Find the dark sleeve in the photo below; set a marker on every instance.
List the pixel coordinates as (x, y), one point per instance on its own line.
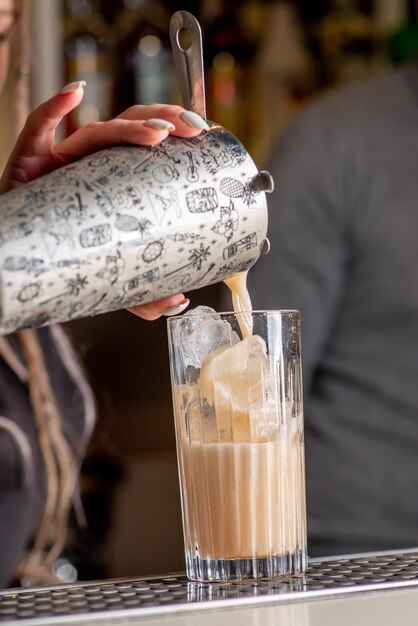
(308, 231)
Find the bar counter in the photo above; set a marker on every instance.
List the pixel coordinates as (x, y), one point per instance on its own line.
(374, 588)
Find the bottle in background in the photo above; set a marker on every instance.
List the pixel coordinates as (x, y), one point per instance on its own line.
(403, 44)
(88, 55)
(145, 68)
(228, 53)
(345, 39)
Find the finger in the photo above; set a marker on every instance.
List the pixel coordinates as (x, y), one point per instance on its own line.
(118, 131)
(187, 123)
(31, 156)
(173, 305)
(37, 136)
(141, 124)
(146, 111)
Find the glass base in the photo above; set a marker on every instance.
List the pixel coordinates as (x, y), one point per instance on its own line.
(230, 570)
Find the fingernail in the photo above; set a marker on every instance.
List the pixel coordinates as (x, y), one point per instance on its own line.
(73, 86)
(176, 310)
(194, 120)
(159, 124)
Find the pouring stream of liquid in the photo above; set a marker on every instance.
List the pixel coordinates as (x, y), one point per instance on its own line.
(241, 302)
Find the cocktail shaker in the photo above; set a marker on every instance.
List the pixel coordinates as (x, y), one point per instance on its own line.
(129, 225)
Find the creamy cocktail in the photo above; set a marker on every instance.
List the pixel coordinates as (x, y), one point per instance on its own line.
(239, 426)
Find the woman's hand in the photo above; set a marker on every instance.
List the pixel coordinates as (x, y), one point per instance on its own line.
(36, 154)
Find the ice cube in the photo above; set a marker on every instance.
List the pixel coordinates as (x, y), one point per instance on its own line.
(200, 332)
(234, 381)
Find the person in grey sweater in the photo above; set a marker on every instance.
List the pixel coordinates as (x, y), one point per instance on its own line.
(343, 226)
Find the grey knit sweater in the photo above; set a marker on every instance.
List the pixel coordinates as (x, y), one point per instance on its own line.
(343, 226)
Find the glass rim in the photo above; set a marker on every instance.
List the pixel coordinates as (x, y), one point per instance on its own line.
(281, 312)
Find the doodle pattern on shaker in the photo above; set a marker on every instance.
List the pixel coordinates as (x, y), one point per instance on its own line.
(153, 251)
(30, 292)
(192, 172)
(114, 267)
(58, 238)
(21, 230)
(73, 287)
(187, 238)
(148, 277)
(130, 197)
(98, 161)
(222, 153)
(65, 177)
(95, 236)
(202, 200)
(196, 259)
(165, 173)
(180, 283)
(105, 204)
(20, 263)
(236, 189)
(162, 203)
(128, 225)
(233, 268)
(239, 247)
(228, 222)
(69, 263)
(66, 206)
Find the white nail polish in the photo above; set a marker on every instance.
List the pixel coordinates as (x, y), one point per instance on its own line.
(194, 120)
(176, 310)
(73, 86)
(159, 124)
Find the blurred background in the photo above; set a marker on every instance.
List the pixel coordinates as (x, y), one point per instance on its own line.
(264, 60)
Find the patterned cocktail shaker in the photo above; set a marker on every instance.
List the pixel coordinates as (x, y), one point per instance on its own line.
(129, 225)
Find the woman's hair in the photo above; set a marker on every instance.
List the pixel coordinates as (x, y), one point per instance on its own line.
(61, 468)
(61, 464)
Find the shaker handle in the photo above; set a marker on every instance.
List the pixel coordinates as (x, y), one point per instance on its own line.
(189, 62)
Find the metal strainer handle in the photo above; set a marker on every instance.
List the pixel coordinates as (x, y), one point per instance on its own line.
(189, 62)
